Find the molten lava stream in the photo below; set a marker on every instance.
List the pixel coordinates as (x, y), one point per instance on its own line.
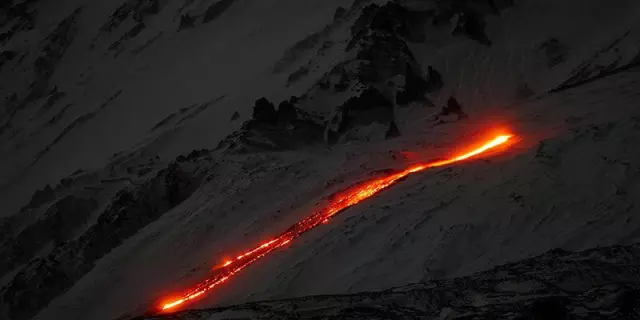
(342, 201)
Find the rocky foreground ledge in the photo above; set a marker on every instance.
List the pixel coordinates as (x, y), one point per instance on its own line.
(601, 283)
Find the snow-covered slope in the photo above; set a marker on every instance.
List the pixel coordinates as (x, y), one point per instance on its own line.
(102, 97)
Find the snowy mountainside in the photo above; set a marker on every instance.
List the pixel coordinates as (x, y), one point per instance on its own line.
(144, 141)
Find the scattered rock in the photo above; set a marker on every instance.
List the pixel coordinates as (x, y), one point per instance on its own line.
(340, 11)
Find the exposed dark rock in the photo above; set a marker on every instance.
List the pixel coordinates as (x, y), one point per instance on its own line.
(382, 54)
(5, 5)
(54, 48)
(386, 55)
(473, 26)
(369, 107)
(343, 83)
(58, 225)
(40, 197)
(130, 34)
(217, 9)
(555, 285)
(434, 79)
(297, 75)
(130, 210)
(393, 131)
(286, 113)
(235, 116)
(628, 301)
(359, 26)
(23, 19)
(415, 87)
(186, 21)
(265, 112)
(286, 128)
(7, 55)
(138, 10)
(340, 11)
(453, 107)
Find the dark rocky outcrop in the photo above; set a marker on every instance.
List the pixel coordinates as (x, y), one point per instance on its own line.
(22, 17)
(453, 107)
(6, 55)
(369, 107)
(54, 48)
(393, 131)
(131, 209)
(469, 17)
(216, 10)
(288, 127)
(379, 38)
(287, 113)
(130, 34)
(57, 225)
(602, 283)
(297, 75)
(40, 197)
(138, 10)
(186, 21)
(473, 26)
(416, 87)
(264, 112)
(339, 13)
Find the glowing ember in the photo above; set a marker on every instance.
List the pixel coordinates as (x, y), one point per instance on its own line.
(342, 201)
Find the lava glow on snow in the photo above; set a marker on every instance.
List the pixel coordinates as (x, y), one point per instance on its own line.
(340, 202)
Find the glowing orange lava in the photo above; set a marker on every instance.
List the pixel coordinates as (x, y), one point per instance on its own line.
(342, 201)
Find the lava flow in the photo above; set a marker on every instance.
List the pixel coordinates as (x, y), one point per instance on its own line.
(342, 201)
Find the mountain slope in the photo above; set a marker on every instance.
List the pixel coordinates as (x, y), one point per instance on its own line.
(102, 215)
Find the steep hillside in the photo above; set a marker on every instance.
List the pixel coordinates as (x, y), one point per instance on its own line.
(146, 141)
